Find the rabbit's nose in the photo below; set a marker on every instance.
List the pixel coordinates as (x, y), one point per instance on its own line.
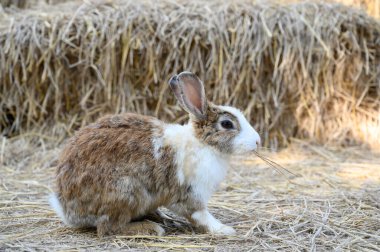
(258, 142)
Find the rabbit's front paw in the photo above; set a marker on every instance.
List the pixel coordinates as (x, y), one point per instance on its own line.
(223, 230)
(203, 218)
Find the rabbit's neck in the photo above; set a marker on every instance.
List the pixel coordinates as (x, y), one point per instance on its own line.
(199, 165)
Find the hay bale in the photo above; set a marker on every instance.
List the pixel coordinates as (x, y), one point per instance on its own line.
(372, 7)
(23, 4)
(306, 69)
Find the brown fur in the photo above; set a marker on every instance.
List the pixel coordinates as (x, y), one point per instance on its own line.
(210, 132)
(107, 170)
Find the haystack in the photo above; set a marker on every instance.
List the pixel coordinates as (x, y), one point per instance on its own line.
(305, 69)
(28, 3)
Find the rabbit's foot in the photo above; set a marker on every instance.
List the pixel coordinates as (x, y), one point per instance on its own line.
(132, 228)
(205, 220)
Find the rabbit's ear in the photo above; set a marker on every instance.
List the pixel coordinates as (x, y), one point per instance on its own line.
(190, 93)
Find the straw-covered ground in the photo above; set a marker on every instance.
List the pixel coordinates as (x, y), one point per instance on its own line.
(332, 204)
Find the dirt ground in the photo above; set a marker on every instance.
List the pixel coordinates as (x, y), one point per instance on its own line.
(333, 203)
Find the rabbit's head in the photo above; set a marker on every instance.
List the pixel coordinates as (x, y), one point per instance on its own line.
(222, 127)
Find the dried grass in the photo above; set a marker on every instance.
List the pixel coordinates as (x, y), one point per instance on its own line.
(306, 69)
(372, 7)
(332, 204)
(24, 4)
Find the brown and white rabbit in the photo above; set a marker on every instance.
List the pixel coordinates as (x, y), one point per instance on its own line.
(123, 167)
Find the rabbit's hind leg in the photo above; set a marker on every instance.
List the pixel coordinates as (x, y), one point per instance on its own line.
(145, 227)
(111, 225)
(105, 226)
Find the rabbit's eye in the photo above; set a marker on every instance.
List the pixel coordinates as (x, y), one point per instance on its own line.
(227, 124)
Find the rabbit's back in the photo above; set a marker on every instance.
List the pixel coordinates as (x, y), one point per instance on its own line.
(114, 165)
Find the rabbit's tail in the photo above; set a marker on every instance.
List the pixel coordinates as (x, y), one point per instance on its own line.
(56, 205)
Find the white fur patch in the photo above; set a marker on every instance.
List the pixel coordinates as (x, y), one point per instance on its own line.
(204, 218)
(248, 138)
(157, 140)
(56, 205)
(199, 165)
(157, 145)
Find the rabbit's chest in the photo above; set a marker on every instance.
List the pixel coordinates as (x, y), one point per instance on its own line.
(203, 171)
(197, 165)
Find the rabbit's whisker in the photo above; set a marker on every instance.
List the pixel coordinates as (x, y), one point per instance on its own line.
(279, 168)
(265, 148)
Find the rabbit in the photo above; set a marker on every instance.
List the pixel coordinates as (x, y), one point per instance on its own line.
(123, 167)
